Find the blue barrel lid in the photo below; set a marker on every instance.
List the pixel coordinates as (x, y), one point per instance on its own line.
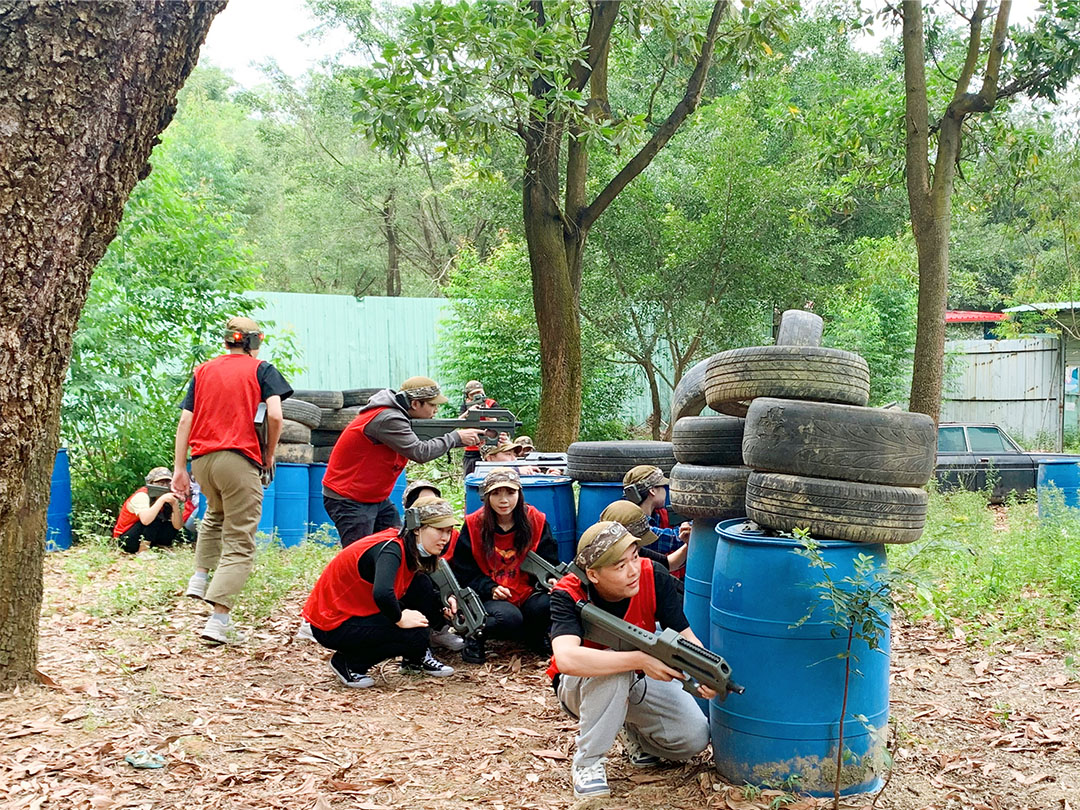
(475, 479)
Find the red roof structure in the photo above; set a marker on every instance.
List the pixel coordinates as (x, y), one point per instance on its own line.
(968, 316)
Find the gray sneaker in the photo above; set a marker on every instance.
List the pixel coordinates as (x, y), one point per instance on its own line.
(221, 632)
(447, 639)
(590, 782)
(638, 756)
(196, 586)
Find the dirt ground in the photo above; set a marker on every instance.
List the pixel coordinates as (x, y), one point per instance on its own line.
(266, 726)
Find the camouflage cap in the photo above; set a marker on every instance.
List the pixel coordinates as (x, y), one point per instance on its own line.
(435, 512)
(424, 389)
(642, 477)
(630, 516)
(238, 324)
(159, 474)
(603, 544)
(410, 491)
(499, 447)
(525, 444)
(473, 385)
(499, 477)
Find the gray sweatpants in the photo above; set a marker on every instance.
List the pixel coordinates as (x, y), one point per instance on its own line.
(667, 720)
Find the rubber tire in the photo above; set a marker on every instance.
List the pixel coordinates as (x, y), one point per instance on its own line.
(688, 398)
(303, 412)
(844, 442)
(709, 492)
(338, 420)
(322, 399)
(295, 433)
(708, 440)
(357, 396)
(321, 455)
(293, 454)
(799, 328)
(836, 510)
(610, 461)
(789, 372)
(325, 438)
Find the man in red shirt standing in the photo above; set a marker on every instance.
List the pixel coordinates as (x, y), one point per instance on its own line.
(217, 422)
(373, 450)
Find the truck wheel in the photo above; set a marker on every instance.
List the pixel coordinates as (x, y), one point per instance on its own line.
(836, 510)
(790, 372)
(799, 328)
(708, 440)
(357, 396)
(295, 433)
(609, 461)
(303, 412)
(293, 453)
(709, 492)
(338, 420)
(322, 399)
(840, 441)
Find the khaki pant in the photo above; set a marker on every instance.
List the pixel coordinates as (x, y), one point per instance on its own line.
(226, 545)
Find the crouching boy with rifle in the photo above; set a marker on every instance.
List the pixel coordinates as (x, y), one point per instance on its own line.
(626, 693)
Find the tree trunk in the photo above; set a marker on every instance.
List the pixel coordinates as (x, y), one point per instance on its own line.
(85, 88)
(932, 243)
(393, 262)
(654, 393)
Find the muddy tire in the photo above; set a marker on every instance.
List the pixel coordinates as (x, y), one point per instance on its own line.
(295, 433)
(836, 510)
(321, 455)
(293, 454)
(688, 398)
(357, 396)
(799, 328)
(321, 399)
(709, 492)
(303, 412)
(337, 420)
(739, 376)
(708, 440)
(609, 461)
(325, 438)
(844, 442)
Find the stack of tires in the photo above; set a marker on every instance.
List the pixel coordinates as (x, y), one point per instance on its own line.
(301, 417)
(336, 416)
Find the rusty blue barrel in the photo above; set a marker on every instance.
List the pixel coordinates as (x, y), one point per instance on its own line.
(698, 581)
(787, 724)
(593, 498)
(291, 502)
(58, 514)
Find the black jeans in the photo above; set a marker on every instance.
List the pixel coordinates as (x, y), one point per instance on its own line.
(354, 519)
(528, 624)
(159, 533)
(367, 640)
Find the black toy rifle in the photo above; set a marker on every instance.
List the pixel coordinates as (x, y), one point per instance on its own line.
(469, 617)
(543, 570)
(492, 421)
(262, 430)
(155, 491)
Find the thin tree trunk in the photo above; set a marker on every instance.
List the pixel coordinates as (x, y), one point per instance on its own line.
(85, 88)
(393, 263)
(654, 394)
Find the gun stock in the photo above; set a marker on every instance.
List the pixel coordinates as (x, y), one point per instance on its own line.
(543, 570)
(468, 619)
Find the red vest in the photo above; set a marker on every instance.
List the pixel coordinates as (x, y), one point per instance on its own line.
(227, 394)
(662, 520)
(341, 593)
(504, 565)
(448, 552)
(359, 469)
(127, 518)
(488, 403)
(640, 612)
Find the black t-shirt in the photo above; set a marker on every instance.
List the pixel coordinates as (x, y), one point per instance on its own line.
(271, 384)
(566, 621)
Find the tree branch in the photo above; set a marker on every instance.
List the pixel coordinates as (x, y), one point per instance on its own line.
(602, 16)
(917, 116)
(972, 57)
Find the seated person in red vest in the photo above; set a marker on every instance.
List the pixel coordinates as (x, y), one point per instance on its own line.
(144, 523)
(646, 486)
(635, 522)
(488, 559)
(373, 450)
(374, 600)
(474, 398)
(625, 695)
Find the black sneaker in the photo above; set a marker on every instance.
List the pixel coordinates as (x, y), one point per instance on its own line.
(475, 651)
(347, 675)
(428, 665)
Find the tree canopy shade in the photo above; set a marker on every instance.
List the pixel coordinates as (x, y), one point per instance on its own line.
(539, 70)
(85, 88)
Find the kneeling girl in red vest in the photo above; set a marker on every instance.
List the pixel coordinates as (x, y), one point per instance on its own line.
(488, 557)
(374, 600)
(626, 695)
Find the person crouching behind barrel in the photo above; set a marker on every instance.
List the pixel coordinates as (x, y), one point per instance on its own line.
(626, 695)
(492, 546)
(374, 600)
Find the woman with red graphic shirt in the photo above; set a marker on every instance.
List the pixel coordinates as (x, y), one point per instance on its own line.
(375, 601)
(488, 557)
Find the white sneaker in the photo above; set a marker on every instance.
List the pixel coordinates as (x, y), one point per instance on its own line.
(304, 633)
(222, 632)
(590, 781)
(196, 586)
(447, 639)
(635, 752)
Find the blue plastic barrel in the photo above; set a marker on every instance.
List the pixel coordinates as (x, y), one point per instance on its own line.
(1062, 475)
(317, 516)
(551, 494)
(266, 519)
(593, 498)
(397, 494)
(698, 581)
(291, 502)
(787, 722)
(58, 515)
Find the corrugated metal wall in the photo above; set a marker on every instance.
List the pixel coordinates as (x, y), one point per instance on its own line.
(1017, 384)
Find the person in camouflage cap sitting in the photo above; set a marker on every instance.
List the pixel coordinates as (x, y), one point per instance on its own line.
(646, 486)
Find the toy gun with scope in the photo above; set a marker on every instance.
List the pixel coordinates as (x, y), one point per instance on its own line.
(492, 421)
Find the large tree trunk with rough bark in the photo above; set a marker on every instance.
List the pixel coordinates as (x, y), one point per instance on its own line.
(85, 88)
